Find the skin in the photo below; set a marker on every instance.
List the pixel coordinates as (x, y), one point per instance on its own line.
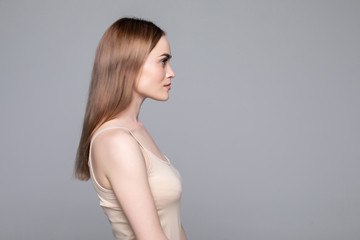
(119, 162)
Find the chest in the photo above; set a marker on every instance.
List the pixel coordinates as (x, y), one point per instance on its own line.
(165, 182)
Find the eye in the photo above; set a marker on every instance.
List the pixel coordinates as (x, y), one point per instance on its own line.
(163, 62)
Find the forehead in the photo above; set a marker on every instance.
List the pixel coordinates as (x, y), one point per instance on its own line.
(161, 47)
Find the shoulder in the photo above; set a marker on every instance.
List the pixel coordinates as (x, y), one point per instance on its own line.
(117, 143)
(106, 137)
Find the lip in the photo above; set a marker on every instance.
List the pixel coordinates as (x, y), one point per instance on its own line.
(168, 86)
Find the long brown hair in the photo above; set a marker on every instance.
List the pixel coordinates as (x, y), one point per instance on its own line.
(120, 55)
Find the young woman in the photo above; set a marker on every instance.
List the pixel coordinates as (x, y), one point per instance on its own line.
(139, 189)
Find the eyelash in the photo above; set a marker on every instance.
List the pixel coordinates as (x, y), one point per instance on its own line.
(164, 61)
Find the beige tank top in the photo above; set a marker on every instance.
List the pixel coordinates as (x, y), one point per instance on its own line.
(165, 183)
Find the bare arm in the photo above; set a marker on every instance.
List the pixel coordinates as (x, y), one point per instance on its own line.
(125, 168)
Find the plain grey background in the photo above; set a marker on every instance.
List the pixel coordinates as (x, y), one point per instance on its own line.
(262, 120)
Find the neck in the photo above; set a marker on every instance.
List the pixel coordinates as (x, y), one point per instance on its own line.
(130, 116)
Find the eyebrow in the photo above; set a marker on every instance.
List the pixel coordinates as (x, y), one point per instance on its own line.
(166, 54)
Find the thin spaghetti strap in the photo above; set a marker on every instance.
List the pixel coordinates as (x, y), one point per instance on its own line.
(103, 130)
(108, 128)
(145, 149)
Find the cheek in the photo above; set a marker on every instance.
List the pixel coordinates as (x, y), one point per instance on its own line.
(150, 78)
(154, 75)
(157, 72)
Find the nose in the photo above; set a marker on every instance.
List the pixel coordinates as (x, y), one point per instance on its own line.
(170, 73)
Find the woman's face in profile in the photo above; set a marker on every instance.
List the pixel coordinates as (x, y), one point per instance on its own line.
(156, 73)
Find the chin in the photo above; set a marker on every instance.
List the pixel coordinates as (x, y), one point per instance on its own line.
(162, 98)
(165, 99)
